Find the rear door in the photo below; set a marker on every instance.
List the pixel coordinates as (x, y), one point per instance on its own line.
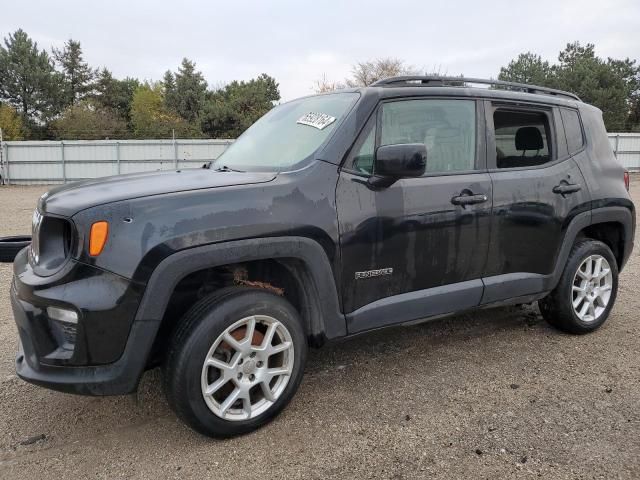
(421, 242)
(537, 190)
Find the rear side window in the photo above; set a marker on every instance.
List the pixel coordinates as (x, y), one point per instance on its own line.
(523, 138)
(446, 127)
(572, 129)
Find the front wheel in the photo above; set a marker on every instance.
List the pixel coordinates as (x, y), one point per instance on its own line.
(235, 361)
(587, 289)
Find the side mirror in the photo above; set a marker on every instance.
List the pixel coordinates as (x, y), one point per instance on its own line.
(399, 161)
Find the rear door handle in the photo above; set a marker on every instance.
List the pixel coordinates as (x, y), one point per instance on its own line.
(469, 199)
(565, 188)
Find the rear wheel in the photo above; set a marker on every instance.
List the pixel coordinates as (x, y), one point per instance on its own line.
(586, 291)
(235, 362)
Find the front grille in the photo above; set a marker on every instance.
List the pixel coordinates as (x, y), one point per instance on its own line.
(51, 243)
(36, 223)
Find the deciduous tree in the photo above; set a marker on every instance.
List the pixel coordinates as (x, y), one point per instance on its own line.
(88, 121)
(11, 123)
(151, 119)
(364, 74)
(324, 85)
(231, 110)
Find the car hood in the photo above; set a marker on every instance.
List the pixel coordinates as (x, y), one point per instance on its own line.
(71, 198)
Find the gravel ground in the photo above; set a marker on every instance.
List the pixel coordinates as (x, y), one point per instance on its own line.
(493, 394)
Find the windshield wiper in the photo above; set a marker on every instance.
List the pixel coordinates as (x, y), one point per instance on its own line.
(224, 168)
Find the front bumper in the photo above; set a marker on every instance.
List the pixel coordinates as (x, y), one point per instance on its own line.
(119, 378)
(100, 358)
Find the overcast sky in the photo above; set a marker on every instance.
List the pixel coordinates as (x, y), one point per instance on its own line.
(298, 41)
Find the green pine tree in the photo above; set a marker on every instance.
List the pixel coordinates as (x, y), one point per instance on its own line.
(612, 85)
(28, 80)
(77, 75)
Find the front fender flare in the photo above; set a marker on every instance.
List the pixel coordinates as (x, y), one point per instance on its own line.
(175, 267)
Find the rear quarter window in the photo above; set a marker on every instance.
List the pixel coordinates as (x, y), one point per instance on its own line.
(572, 130)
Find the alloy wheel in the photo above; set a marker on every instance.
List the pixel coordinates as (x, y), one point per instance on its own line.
(247, 368)
(591, 290)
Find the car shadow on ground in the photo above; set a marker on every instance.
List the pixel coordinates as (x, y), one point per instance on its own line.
(68, 416)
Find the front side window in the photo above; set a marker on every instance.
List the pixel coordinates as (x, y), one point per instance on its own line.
(446, 127)
(288, 134)
(361, 159)
(522, 138)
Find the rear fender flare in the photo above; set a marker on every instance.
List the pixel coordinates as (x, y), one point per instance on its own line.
(621, 215)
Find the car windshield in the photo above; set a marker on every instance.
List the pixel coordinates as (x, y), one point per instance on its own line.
(288, 134)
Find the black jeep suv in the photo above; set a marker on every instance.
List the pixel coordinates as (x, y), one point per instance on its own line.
(332, 215)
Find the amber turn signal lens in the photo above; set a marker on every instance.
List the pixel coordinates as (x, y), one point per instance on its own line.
(98, 238)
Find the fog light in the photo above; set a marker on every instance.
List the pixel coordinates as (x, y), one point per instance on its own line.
(62, 315)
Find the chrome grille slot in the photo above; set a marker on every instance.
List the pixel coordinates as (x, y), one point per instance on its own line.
(34, 250)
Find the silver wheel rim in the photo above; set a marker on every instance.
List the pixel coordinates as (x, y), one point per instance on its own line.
(247, 368)
(591, 289)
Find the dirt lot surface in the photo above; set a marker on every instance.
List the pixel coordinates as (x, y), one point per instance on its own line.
(495, 394)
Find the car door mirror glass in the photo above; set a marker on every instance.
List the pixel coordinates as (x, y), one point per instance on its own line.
(401, 160)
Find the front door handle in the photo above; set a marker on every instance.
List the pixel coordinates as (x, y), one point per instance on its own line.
(469, 199)
(565, 188)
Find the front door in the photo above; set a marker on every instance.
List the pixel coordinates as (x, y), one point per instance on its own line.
(537, 190)
(421, 242)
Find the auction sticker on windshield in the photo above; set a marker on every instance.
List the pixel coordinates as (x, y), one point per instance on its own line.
(317, 120)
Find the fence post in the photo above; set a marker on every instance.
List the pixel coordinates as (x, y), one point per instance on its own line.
(64, 167)
(117, 157)
(6, 163)
(175, 153)
(1, 159)
(615, 150)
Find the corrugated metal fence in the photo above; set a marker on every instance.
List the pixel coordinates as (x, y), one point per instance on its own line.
(58, 162)
(627, 148)
(48, 162)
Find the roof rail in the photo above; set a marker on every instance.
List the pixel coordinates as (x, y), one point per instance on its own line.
(436, 81)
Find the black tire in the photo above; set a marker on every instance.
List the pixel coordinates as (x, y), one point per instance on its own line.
(10, 246)
(195, 335)
(557, 308)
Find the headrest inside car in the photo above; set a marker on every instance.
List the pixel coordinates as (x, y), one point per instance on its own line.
(529, 138)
